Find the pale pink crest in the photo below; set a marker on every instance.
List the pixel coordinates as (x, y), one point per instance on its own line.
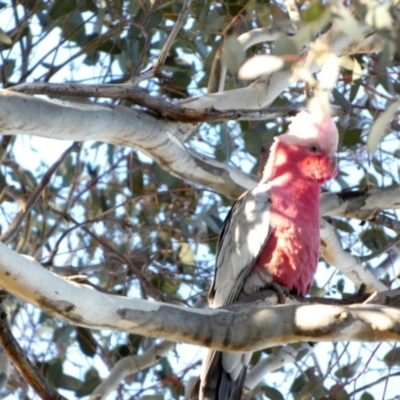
(307, 129)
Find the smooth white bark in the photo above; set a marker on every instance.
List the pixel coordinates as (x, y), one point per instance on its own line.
(243, 327)
(129, 365)
(157, 138)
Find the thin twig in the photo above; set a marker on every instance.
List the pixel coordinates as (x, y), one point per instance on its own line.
(156, 104)
(383, 220)
(172, 36)
(381, 251)
(12, 230)
(18, 357)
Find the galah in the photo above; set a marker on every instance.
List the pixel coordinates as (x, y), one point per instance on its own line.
(271, 236)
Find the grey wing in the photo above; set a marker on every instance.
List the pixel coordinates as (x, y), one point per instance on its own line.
(245, 231)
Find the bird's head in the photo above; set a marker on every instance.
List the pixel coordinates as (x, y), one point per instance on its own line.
(312, 142)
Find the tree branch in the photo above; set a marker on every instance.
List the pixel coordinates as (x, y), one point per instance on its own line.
(334, 254)
(129, 365)
(362, 205)
(240, 327)
(159, 139)
(12, 230)
(172, 36)
(18, 357)
(160, 106)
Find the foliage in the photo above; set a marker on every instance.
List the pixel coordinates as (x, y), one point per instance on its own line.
(116, 217)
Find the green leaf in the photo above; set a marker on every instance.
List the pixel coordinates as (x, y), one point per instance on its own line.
(392, 357)
(92, 380)
(343, 226)
(349, 370)
(379, 126)
(355, 87)
(53, 371)
(340, 99)
(165, 284)
(8, 68)
(285, 45)
(165, 177)
(186, 254)
(86, 341)
(214, 223)
(367, 396)
(347, 23)
(272, 393)
(351, 137)
(62, 7)
(136, 182)
(69, 382)
(73, 28)
(62, 335)
(374, 239)
(4, 38)
(233, 54)
(313, 11)
(252, 142)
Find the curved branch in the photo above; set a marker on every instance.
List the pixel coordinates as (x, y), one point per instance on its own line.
(129, 365)
(7, 236)
(286, 355)
(159, 139)
(28, 371)
(243, 327)
(361, 205)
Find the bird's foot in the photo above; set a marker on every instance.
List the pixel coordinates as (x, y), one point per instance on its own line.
(281, 291)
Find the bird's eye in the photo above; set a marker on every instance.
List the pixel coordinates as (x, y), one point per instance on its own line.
(314, 148)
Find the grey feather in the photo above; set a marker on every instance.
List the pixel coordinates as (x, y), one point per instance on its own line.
(243, 236)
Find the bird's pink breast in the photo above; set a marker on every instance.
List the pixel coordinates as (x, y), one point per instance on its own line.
(292, 251)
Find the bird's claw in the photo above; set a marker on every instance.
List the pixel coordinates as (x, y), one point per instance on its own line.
(281, 291)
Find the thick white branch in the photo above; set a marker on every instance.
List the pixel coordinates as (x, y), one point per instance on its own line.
(158, 138)
(360, 206)
(244, 327)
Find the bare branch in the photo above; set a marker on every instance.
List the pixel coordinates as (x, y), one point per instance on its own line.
(4, 369)
(172, 36)
(18, 357)
(165, 109)
(334, 254)
(12, 230)
(15, 194)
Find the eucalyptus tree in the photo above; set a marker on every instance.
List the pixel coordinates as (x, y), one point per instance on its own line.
(163, 112)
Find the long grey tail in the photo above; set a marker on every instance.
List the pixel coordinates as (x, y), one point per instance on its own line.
(217, 384)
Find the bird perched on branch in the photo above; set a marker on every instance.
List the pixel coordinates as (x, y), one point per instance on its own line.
(270, 237)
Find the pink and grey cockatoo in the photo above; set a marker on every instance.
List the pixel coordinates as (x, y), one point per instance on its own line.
(271, 235)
